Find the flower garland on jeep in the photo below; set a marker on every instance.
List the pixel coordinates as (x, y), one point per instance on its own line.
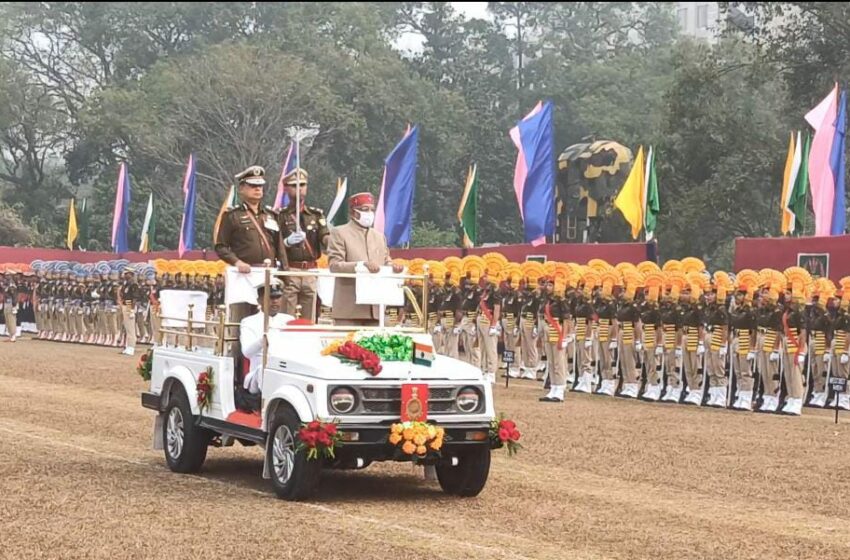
(205, 388)
(319, 438)
(504, 433)
(417, 439)
(145, 364)
(369, 351)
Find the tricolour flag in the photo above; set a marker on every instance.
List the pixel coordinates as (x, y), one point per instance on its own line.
(792, 163)
(72, 226)
(394, 213)
(467, 212)
(338, 214)
(229, 201)
(423, 354)
(652, 203)
(120, 222)
(290, 163)
(534, 173)
(822, 118)
(629, 200)
(148, 228)
(187, 224)
(797, 202)
(837, 164)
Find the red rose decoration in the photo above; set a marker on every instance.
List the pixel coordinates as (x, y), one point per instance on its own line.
(508, 425)
(314, 425)
(144, 358)
(330, 429)
(515, 435)
(504, 434)
(378, 369)
(323, 438)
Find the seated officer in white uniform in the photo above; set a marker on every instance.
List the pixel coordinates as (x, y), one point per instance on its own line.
(251, 334)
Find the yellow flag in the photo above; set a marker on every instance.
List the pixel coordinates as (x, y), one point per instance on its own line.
(630, 200)
(787, 187)
(72, 226)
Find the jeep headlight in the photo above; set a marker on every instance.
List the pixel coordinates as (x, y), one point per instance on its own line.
(468, 399)
(343, 400)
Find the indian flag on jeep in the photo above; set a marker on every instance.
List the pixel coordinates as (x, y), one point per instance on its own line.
(423, 354)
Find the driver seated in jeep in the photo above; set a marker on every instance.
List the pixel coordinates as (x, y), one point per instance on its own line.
(251, 340)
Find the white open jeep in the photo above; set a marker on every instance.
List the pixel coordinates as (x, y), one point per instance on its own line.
(299, 385)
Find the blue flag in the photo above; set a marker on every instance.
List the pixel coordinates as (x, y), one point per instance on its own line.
(394, 214)
(120, 222)
(187, 226)
(534, 175)
(837, 164)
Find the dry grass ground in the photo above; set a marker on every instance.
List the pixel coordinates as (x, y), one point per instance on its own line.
(599, 478)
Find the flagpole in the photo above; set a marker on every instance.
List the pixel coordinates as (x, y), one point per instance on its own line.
(297, 184)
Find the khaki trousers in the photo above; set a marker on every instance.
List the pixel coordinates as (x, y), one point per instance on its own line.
(819, 369)
(672, 368)
(794, 382)
(652, 365)
(11, 320)
(606, 357)
(743, 369)
(488, 345)
(556, 362)
(528, 344)
(628, 362)
(449, 339)
(128, 315)
(716, 369)
(691, 361)
(584, 353)
(300, 290)
(468, 336)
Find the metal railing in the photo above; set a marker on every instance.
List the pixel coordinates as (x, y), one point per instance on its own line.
(191, 336)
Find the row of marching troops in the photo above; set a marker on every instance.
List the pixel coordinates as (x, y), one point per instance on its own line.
(765, 340)
(109, 303)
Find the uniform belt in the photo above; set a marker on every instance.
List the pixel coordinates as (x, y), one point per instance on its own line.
(303, 265)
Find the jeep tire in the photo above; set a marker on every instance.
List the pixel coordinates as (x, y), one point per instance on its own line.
(468, 478)
(185, 443)
(294, 477)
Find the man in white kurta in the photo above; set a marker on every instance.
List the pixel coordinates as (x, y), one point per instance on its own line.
(251, 335)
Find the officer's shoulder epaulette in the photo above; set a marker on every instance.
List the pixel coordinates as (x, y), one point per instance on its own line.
(271, 210)
(315, 210)
(231, 209)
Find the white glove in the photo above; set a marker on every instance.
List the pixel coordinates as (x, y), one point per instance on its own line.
(612, 345)
(456, 330)
(438, 329)
(569, 338)
(774, 356)
(494, 331)
(801, 359)
(723, 350)
(701, 348)
(534, 332)
(639, 346)
(295, 238)
(678, 352)
(827, 358)
(751, 355)
(588, 343)
(563, 345)
(360, 267)
(659, 351)
(845, 358)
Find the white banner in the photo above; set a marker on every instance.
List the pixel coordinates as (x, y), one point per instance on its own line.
(376, 289)
(175, 303)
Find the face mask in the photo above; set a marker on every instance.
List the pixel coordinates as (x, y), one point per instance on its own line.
(366, 219)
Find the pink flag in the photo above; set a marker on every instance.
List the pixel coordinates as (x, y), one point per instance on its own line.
(822, 119)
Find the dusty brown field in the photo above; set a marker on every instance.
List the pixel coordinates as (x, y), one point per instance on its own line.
(599, 478)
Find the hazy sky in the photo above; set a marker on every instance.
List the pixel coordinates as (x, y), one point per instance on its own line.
(413, 42)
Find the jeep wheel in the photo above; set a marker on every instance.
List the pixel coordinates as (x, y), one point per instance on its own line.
(185, 443)
(294, 477)
(469, 476)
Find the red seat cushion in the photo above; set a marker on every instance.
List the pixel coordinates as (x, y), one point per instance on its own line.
(249, 419)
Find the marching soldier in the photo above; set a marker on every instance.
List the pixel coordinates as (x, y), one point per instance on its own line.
(511, 308)
(450, 302)
(127, 297)
(304, 243)
(651, 346)
(841, 343)
(821, 331)
(742, 320)
(718, 343)
(10, 304)
(769, 321)
(488, 323)
(606, 310)
(530, 307)
(627, 319)
(794, 340)
(469, 310)
(671, 328)
(555, 321)
(585, 327)
(693, 326)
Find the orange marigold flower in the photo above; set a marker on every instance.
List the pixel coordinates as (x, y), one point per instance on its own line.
(408, 447)
(396, 428)
(437, 444)
(420, 450)
(394, 439)
(408, 434)
(420, 440)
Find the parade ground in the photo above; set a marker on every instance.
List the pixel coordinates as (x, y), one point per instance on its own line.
(598, 478)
